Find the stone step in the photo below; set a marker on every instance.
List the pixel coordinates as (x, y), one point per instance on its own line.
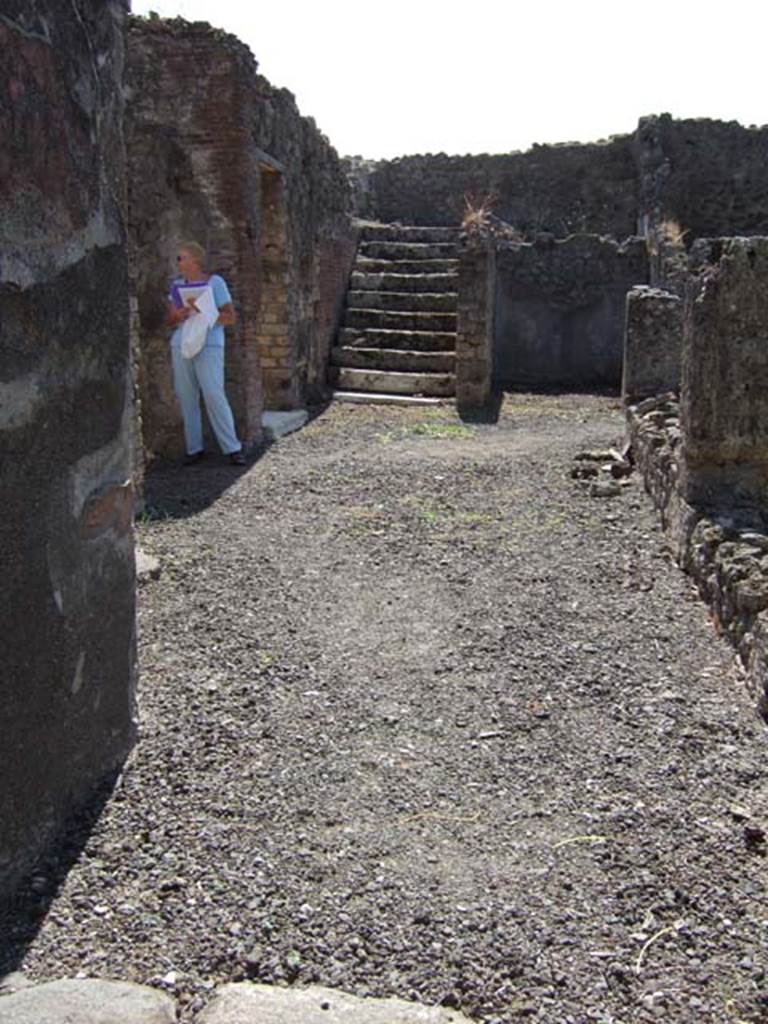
(408, 250)
(406, 233)
(403, 302)
(405, 360)
(395, 383)
(388, 320)
(382, 398)
(368, 266)
(403, 282)
(410, 341)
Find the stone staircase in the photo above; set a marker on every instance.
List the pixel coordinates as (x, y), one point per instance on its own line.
(398, 336)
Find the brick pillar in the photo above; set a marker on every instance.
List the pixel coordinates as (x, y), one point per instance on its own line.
(724, 402)
(653, 341)
(475, 325)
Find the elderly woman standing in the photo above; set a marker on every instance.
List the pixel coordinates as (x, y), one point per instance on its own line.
(205, 371)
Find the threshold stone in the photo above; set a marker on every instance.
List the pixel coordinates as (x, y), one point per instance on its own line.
(248, 1003)
(90, 1001)
(278, 424)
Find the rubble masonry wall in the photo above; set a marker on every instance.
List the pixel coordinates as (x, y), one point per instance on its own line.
(560, 189)
(705, 458)
(560, 308)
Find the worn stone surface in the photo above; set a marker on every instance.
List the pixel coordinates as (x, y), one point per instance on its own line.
(67, 630)
(653, 342)
(560, 310)
(278, 424)
(392, 314)
(724, 399)
(237, 168)
(266, 1004)
(87, 1001)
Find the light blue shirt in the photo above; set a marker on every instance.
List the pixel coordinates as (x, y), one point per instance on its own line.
(221, 296)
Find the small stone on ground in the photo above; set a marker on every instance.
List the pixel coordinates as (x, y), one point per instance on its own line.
(147, 566)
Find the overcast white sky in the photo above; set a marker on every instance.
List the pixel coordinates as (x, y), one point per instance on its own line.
(490, 76)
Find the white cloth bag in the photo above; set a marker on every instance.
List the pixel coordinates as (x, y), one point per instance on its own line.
(195, 328)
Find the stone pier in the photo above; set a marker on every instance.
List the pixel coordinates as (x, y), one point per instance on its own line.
(476, 306)
(653, 341)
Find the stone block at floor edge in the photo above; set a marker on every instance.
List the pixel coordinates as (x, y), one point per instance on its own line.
(247, 1003)
(87, 1001)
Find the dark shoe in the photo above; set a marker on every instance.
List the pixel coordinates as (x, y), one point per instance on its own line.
(237, 459)
(190, 460)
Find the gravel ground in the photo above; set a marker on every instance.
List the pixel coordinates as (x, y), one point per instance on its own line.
(422, 718)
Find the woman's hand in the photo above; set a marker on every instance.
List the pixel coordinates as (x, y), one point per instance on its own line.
(226, 317)
(177, 315)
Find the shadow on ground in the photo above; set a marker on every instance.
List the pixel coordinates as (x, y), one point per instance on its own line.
(172, 491)
(24, 913)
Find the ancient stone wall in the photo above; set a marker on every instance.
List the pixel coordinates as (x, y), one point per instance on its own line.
(560, 308)
(724, 404)
(708, 177)
(705, 458)
(559, 189)
(67, 616)
(219, 155)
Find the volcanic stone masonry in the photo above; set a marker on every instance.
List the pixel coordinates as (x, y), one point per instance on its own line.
(67, 617)
(705, 459)
(218, 155)
(560, 309)
(653, 343)
(706, 176)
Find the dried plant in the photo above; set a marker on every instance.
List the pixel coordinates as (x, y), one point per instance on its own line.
(673, 232)
(478, 211)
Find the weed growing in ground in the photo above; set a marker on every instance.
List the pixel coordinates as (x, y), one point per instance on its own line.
(430, 429)
(442, 430)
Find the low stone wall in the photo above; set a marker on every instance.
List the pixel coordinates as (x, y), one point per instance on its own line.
(67, 615)
(560, 310)
(726, 558)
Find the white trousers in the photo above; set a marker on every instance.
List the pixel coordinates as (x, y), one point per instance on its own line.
(204, 373)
